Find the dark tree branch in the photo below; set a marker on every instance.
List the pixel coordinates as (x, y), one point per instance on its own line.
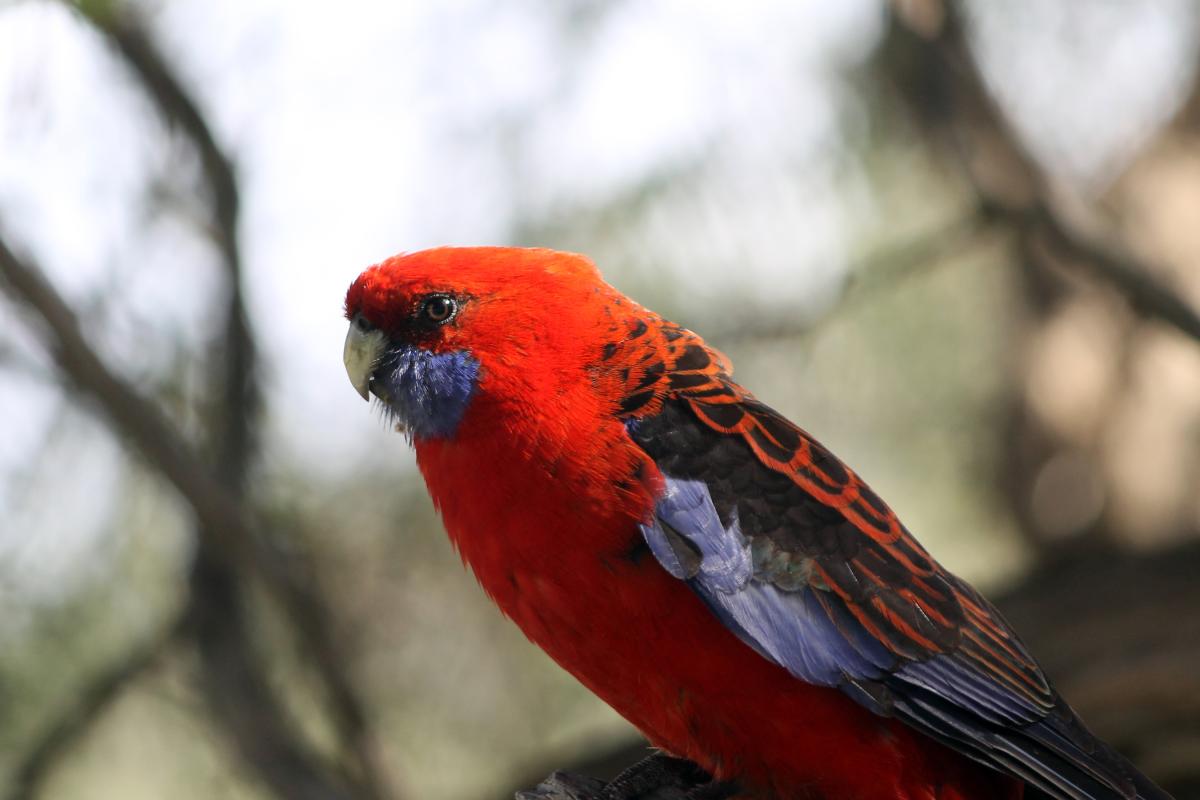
(227, 539)
(869, 278)
(311, 616)
(1116, 633)
(177, 107)
(87, 708)
(228, 535)
(114, 20)
(174, 102)
(136, 419)
(240, 405)
(654, 777)
(241, 696)
(1147, 296)
(932, 68)
(572, 786)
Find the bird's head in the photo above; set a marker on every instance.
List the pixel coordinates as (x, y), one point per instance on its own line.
(433, 332)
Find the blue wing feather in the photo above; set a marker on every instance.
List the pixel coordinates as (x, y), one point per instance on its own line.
(808, 566)
(810, 632)
(790, 628)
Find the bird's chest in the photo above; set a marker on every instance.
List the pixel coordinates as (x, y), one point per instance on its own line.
(560, 552)
(550, 538)
(549, 525)
(557, 546)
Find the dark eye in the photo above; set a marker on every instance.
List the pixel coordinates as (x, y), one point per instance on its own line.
(439, 308)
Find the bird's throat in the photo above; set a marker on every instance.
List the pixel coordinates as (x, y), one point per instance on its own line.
(426, 393)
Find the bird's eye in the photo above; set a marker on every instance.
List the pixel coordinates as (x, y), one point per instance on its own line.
(361, 323)
(439, 308)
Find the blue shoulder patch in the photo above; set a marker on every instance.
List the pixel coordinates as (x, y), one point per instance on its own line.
(763, 594)
(427, 392)
(809, 636)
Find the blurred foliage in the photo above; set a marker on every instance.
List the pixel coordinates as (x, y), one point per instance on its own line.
(821, 216)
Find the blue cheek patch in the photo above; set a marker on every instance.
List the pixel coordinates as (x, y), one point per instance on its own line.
(425, 391)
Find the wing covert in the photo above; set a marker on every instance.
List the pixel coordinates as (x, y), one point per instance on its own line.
(808, 566)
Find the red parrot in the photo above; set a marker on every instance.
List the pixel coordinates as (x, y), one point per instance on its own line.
(702, 564)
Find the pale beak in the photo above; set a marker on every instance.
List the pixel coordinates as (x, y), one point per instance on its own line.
(361, 354)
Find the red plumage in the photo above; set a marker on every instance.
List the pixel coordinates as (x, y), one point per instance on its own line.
(542, 490)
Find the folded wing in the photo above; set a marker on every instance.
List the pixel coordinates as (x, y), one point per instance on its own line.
(799, 558)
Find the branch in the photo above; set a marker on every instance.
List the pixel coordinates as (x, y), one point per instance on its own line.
(1118, 634)
(114, 21)
(240, 403)
(134, 417)
(932, 68)
(1146, 295)
(227, 534)
(655, 777)
(311, 616)
(571, 786)
(871, 277)
(227, 539)
(240, 693)
(87, 708)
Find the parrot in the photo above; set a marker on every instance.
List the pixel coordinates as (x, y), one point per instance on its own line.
(702, 564)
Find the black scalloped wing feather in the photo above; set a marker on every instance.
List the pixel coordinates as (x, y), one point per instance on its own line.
(859, 548)
(960, 674)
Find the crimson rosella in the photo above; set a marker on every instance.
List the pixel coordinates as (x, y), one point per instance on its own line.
(698, 561)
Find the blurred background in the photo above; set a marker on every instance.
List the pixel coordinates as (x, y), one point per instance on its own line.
(957, 241)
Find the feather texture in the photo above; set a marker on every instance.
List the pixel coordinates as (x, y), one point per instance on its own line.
(698, 561)
(842, 594)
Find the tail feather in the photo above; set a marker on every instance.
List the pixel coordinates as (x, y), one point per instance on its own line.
(1146, 790)
(1056, 756)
